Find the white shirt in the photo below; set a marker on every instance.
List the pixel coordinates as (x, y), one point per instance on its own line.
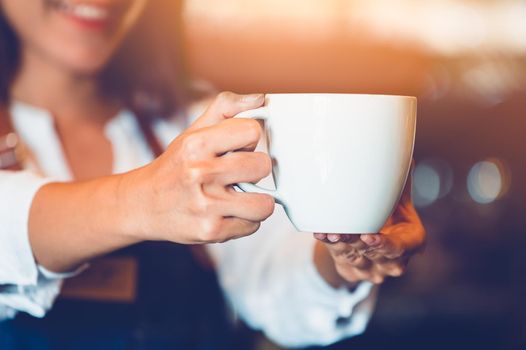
(269, 278)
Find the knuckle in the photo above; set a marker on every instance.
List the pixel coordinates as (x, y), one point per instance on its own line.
(393, 249)
(266, 163)
(245, 228)
(210, 230)
(352, 256)
(261, 163)
(252, 228)
(267, 205)
(200, 206)
(198, 203)
(395, 253)
(252, 129)
(372, 254)
(192, 145)
(397, 271)
(205, 206)
(195, 175)
(223, 97)
(377, 279)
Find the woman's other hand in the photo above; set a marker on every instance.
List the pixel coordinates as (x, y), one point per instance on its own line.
(186, 195)
(372, 257)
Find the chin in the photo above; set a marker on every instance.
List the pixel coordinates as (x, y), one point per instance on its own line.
(84, 62)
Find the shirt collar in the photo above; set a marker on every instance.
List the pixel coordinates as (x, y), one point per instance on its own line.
(35, 127)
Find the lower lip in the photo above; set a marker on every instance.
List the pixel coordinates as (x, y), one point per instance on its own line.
(93, 24)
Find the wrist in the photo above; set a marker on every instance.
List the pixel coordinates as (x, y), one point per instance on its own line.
(93, 210)
(131, 203)
(326, 266)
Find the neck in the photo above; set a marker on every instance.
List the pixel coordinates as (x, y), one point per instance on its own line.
(66, 94)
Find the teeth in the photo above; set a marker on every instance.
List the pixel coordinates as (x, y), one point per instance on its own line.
(85, 11)
(89, 12)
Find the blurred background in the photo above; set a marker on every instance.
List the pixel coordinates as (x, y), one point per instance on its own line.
(466, 62)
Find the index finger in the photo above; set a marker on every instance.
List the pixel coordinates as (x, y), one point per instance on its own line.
(227, 105)
(227, 136)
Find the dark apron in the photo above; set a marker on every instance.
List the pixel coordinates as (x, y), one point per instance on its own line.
(179, 306)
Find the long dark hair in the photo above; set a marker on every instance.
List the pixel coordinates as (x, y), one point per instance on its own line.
(147, 72)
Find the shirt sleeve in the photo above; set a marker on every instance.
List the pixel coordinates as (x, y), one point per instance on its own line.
(271, 281)
(24, 285)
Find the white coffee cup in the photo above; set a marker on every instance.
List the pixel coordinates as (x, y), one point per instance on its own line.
(340, 161)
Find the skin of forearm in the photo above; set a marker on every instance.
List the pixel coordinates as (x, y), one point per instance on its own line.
(72, 223)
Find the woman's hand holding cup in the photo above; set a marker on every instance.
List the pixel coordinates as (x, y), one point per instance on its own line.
(373, 257)
(186, 195)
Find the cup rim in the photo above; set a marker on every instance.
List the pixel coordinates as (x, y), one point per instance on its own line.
(338, 94)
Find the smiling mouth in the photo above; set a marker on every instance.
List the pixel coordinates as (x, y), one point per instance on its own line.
(81, 10)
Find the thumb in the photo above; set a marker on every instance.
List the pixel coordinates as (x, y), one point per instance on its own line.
(394, 241)
(227, 105)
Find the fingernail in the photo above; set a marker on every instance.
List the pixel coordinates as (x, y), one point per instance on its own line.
(319, 236)
(333, 238)
(252, 98)
(371, 240)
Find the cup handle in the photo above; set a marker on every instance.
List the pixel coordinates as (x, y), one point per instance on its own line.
(258, 113)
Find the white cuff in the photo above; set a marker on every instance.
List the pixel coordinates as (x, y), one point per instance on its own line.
(50, 275)
(342, 299)
(17, 264)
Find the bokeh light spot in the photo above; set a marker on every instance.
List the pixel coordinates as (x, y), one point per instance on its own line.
(487, 181)
(426, 185)
(432, 180)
